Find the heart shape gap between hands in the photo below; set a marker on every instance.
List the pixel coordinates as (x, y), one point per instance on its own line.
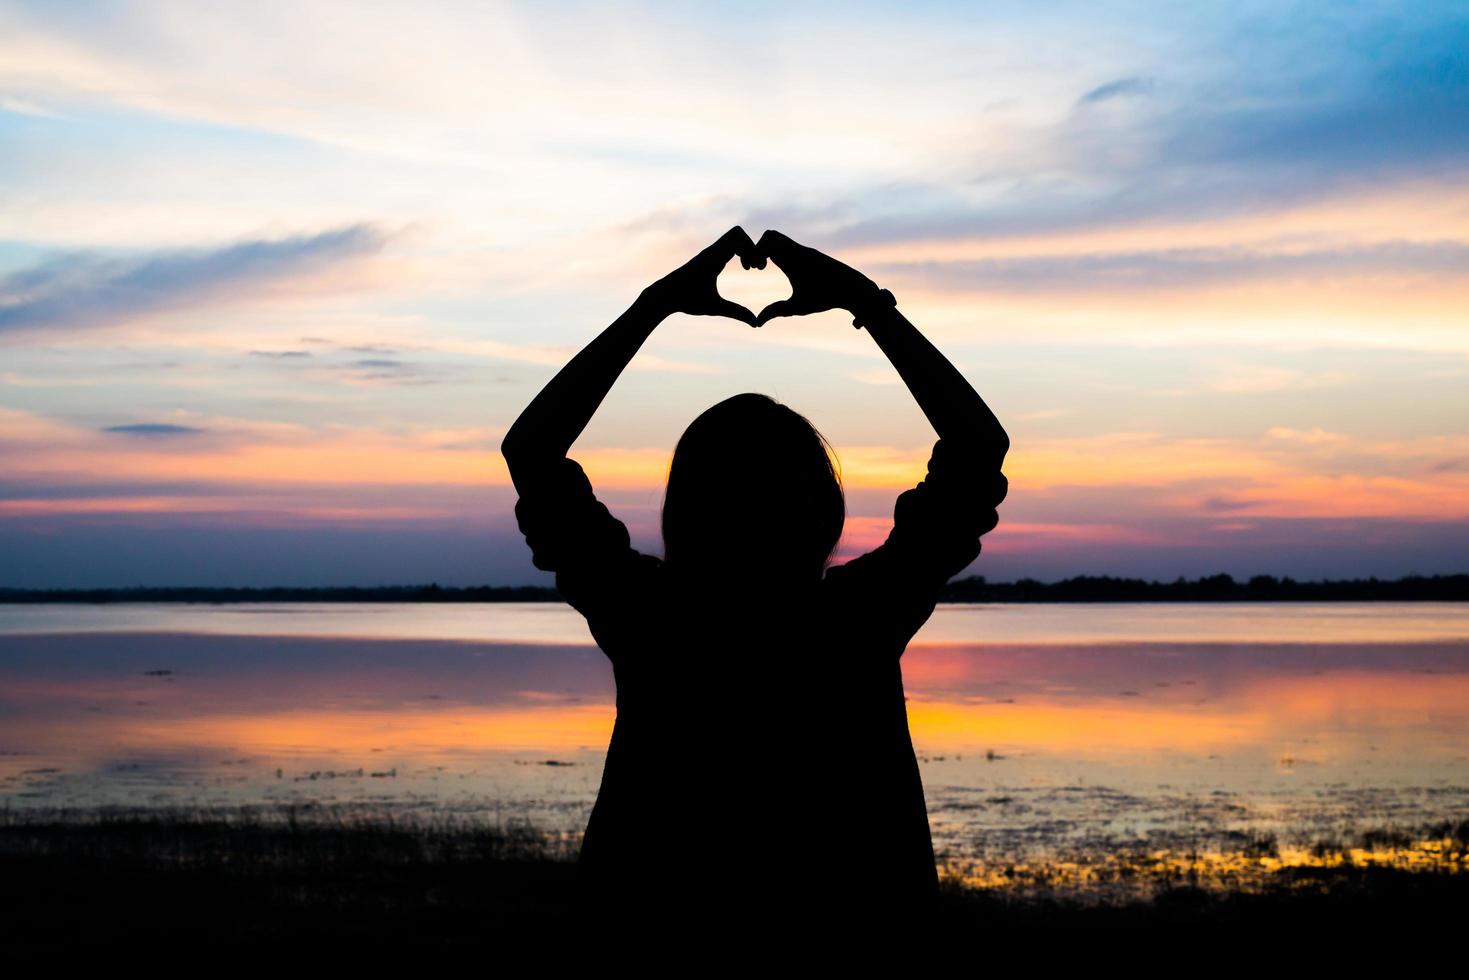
(814, 282)
(754, 289)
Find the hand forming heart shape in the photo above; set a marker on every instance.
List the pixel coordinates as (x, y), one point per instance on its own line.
(758, 287)
(818, 282)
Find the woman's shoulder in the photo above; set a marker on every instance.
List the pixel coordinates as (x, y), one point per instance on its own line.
(885, 596)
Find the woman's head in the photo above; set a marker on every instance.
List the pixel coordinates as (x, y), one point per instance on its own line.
(752, 490)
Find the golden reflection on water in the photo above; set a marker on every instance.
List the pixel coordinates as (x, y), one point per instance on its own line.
(1103, 874)
(1306, 718)
(1336, 711)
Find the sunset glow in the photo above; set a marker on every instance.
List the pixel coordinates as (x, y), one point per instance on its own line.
(1208, 266)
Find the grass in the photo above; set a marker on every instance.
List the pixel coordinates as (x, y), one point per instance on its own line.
(289, 880)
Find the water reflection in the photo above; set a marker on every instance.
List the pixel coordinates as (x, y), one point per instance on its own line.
(1036, 752)
(532, 622)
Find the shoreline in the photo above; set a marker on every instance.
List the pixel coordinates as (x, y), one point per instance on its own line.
(966, 591)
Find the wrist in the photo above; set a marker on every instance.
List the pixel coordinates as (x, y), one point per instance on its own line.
(873, 304)
(652, 304)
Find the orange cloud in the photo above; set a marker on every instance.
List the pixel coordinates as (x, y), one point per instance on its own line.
(1283, 472)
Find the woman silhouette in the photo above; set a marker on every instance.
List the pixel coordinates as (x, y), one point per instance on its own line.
(760, 762)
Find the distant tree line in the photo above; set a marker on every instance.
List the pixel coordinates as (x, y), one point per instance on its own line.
(1212, 588)
(378, 593)
(1083, 588)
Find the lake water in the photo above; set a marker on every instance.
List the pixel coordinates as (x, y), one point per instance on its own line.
(1059, 744)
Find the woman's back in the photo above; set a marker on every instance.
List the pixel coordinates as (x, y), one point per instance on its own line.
(761, 749)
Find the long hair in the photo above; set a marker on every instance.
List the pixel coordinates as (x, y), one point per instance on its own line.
(753, 486)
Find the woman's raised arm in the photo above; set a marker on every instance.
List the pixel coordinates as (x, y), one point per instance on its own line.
(548, 426)
(952, 406)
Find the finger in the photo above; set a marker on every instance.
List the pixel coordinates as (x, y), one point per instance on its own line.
(744, 247)
(781, 307)
(733, 310)
(728, 245)
(773, 238)
(776, 247)
(736, 241)
(733, 237)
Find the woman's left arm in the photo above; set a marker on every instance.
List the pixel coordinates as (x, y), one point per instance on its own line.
(945, 396)
(547, 428)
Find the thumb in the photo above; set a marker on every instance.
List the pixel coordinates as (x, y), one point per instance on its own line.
(733, 310)
(781, 307)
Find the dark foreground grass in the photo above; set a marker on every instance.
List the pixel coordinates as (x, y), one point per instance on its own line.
(208, 887)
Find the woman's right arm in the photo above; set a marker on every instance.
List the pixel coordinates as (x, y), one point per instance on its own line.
(569, 531)
(547, 428)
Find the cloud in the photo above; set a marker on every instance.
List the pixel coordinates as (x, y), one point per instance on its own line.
(386, 370)
(1120, 88)
(1330, 109)
(23, 108)
(1222, 503)
(153, 429)
(79, 290)
(1189, 267)
(1313, 436)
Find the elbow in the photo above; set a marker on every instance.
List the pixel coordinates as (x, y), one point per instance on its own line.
(518, 446)
(985, 446)
(523, 457)
(991, 445)
(517, 453)
(511, 448)
(998, 439)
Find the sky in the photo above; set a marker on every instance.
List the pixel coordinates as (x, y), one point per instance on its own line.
(275, 278)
